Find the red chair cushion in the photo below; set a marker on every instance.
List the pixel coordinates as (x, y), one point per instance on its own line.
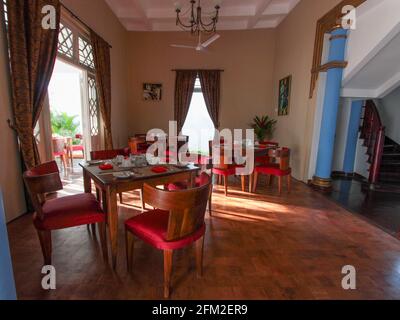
(71, 211)
(273, 170)
(152, 227)
(231, 171)
(58, 154)
(78, 148)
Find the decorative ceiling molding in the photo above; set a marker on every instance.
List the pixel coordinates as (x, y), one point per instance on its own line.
(159, 15)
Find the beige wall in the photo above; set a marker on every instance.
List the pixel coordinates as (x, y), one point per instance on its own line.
(102, 20)
(10, 170)
(246, 56)
(294, 53)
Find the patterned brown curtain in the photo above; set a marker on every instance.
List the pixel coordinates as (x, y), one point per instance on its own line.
(102, 60)
(33, 52)
(211, 86)
(184, 87)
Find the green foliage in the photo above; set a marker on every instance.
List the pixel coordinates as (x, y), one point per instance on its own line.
(64, 125)
(264, 127)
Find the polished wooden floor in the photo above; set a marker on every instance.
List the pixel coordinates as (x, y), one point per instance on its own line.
(257, 247)
(379, 208)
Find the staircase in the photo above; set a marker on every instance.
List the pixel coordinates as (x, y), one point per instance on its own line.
(383, 153)
(390, 165)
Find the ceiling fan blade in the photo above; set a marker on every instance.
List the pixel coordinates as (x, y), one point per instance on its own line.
(182, 46)
(210, 41)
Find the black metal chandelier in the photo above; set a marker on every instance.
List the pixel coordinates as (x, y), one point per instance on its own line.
(196, 24)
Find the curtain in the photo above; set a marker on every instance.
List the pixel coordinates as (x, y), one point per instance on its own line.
(184, 87)
(211, 86)
(102, 61)
(33, 52)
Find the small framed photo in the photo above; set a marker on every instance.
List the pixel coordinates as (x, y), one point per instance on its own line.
(284, 96)
(152, 91)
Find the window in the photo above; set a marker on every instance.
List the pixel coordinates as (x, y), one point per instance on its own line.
(5, 12)
(86, 53)
(74, 46)
(198, 124)
(66, 42)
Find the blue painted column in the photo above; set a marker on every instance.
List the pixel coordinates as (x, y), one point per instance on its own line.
(322, 178)
(7, 285)
(352, 136)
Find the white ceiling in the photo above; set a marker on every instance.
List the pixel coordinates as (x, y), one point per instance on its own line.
(159, 15)
(380, 76)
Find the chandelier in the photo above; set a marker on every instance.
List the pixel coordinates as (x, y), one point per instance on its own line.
(196, 24)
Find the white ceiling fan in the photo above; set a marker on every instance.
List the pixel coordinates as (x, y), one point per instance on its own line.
(200, 46)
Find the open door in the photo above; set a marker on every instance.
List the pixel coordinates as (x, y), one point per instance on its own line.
(92, 126)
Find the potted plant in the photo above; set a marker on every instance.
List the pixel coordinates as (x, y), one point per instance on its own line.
(264, 127)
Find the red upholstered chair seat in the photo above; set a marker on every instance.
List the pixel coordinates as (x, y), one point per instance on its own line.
(152, 228)
(70, 211)
(78, 148)
(231, 171)
(273, 170)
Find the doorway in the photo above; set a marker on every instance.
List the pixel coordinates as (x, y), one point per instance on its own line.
(74, 115)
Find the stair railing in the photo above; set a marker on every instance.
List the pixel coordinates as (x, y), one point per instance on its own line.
(373, 132)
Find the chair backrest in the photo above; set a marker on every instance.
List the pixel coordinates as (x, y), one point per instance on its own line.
(58, 145)
(187, 207)
(40, 180)
(108, 154)
(224, 161)
(283, 155)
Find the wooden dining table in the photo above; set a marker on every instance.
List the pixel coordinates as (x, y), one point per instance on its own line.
(111, 186)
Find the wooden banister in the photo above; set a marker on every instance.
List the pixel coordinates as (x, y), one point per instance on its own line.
(373, 132)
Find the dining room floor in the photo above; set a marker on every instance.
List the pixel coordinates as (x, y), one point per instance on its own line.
(257, 246)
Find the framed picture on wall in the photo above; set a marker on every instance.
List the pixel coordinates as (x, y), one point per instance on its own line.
(284, 96)
(152, 91)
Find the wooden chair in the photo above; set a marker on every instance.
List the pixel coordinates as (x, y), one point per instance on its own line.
(177, 223)
(280, 169)
(265, 160)
(224, 169)
(59, 150)
(78, 147)
(184, 185)
(60, 213)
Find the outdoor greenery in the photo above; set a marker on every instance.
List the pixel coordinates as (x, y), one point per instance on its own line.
(264, 127)
(64, 125)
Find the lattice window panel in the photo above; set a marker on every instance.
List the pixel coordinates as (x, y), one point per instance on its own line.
(66, 41)
(93, 108)
(5, 10)
(86, 53)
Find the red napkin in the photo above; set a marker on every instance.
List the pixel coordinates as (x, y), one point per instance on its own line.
(106, 167)
(159, 169)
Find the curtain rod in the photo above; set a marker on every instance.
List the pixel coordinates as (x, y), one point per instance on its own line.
(79, 19)
(198, 70)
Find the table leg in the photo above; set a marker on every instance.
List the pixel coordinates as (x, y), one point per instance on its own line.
(112, 217)
(250, 183)
(87, 182)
